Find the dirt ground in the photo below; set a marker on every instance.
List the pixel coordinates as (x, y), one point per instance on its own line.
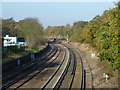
(94, 68)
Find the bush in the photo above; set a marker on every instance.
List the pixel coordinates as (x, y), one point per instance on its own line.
(11, 50)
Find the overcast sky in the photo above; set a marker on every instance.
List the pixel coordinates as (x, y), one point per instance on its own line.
(54, 13)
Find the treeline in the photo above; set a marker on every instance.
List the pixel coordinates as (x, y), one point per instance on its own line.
(29, 28)
(73, 32)
(101, 33)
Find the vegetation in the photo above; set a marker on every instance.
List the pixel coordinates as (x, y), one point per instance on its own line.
(101, 33)
(29, 29)
(11, 51)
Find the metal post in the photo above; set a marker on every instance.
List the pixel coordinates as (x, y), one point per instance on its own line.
(18, 62)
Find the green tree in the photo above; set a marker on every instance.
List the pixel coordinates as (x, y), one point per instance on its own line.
(5, 26)
(32, 31)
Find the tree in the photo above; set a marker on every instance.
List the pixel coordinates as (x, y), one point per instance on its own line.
(5, 26)
(32, 31)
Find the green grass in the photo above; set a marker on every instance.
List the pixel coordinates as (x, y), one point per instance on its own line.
(11, 54)
(32, 50)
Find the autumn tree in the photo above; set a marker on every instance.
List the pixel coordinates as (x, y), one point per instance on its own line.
(6, 25)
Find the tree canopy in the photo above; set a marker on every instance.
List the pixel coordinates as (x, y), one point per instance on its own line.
(29, 28)
(101, 33)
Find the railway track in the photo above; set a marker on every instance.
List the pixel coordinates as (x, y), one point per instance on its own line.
(66, 69)
(50, 67)
(82, 71)
(5, 74)
(76, 79)
(40, 69)
(57, 76)
(69, 72)
(31, 70)
(9, 75)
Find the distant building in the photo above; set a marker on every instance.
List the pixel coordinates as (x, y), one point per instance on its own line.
(9, 41)
(13, 41)
(21, 41)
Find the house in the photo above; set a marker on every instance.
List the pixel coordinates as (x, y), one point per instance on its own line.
(21, 41)
(9, 41)
(13, 41)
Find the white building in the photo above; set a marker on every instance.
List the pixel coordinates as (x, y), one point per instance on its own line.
(13, 41)
(9, 41)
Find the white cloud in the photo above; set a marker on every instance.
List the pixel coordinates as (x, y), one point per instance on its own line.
(59, 0)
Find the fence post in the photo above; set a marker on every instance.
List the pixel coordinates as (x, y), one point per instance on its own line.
(32, 56)
(18, 62)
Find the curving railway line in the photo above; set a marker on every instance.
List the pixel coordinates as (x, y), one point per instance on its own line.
(16, 76)
(57, 76)
(9, 75)
(59, 67)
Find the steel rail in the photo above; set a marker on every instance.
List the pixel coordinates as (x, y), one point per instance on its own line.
(63, 59)
(82, 85)
(63, 73)
(73, 70)
(38, 72)
(24, 65)
(73, 67)
(66, 71)
(22, 76)
(20, 71)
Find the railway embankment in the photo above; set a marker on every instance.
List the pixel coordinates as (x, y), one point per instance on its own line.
(23, 58)
(95, 69)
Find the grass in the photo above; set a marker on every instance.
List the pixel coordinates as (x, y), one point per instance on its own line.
(10, 55)
(13, 56)
(32, 50)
